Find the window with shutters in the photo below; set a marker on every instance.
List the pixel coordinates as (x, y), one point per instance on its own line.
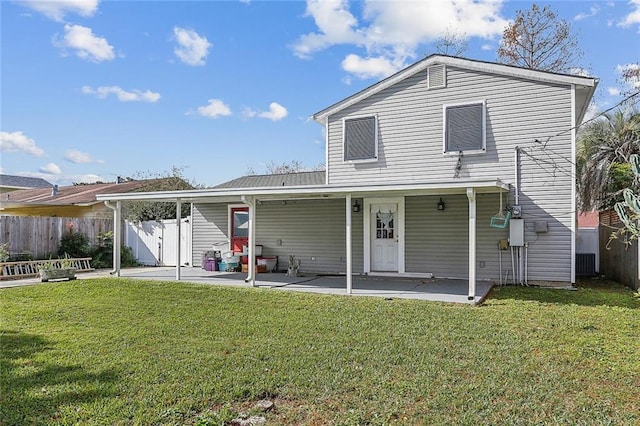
(360, 139)
(464, 128)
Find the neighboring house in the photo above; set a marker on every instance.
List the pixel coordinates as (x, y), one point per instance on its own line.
(65, 201)
(416, 167)
(10, 183)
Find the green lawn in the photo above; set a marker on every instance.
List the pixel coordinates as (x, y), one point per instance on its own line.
(119, 351)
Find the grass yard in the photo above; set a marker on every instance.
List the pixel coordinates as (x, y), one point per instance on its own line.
(119, 351)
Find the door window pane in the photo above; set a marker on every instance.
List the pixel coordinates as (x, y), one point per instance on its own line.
(384, 226)
(240, 224)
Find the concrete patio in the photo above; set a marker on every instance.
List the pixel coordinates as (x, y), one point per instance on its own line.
(432, 289)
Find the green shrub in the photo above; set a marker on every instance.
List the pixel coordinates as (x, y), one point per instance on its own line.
(74, 244)
(102, 253)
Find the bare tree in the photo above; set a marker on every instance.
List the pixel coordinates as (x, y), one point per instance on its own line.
(293, 166)
(452, 44)
(538, 39)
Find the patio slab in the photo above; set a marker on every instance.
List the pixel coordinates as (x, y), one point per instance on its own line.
(432, 289)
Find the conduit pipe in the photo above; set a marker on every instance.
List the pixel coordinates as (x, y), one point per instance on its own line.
(516, 185)
(117, 232)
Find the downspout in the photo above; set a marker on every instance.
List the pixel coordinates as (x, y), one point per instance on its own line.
(117, 209)
(251, 263)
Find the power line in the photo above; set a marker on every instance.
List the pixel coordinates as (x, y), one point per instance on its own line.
(544, 145)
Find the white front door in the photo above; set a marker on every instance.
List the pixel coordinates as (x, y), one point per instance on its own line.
(384, 237)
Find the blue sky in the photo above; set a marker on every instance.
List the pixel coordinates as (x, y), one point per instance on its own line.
(93, 90)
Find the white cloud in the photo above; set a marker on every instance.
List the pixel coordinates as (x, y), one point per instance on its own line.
(276, 112)
(391, 34)
(192, 49)
(57, 9)
(134, 95)
(215, 108)
(633, 17)
(487, 46)
(370, 67)
(613, 91)
(51, 169)
(336, 24)
(18, 142)
(79, 157)
(85, 43)
(593, 11)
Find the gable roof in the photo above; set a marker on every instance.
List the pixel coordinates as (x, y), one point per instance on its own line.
(584, 84)
(273, 180)
(22, 182)
(80, 195)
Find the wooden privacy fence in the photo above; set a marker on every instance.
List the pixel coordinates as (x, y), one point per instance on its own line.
(618, 261)
(40, 236)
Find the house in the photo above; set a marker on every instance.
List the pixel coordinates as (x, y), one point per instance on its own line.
(418, 168)
(65, 201)
(10, 183)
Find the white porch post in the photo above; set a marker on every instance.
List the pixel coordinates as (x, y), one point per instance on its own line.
(179, 242)
(348, 238)
(471, 195)
(251, 267)
(117, 237)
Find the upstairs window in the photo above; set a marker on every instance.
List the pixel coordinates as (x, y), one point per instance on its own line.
(360, 139)
(464, 128)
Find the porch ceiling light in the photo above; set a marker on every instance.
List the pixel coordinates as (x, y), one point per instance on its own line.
(440, 204)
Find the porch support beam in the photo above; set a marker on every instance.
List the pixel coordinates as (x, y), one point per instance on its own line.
(471, 195)
(117, 238)
(178, 243)
(348, 239)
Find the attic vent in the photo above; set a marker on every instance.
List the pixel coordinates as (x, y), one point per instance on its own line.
(436, 77)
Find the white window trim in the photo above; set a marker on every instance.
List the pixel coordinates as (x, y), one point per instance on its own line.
(484, 128)
(375, 134)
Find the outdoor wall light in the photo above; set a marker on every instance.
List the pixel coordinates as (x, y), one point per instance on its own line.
(441, 204)
(356, 207)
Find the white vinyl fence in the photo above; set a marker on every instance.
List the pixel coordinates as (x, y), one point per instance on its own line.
(155, 243)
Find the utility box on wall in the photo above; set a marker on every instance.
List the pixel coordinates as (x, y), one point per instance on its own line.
(516, 232)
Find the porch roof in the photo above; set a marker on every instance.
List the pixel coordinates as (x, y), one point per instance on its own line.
(222, 195)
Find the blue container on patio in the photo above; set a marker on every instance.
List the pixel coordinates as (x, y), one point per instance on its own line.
(222, 266)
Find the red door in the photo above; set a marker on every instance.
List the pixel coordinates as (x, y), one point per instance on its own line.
(239, 228)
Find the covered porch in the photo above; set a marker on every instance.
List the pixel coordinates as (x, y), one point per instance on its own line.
(388, 199)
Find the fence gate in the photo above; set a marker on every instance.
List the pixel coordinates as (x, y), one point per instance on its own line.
(154, 243)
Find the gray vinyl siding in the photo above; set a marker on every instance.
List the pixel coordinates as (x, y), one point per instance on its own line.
(209, 227)
(410, 127)
(438, 241)
(308, 229)
(410, 139)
